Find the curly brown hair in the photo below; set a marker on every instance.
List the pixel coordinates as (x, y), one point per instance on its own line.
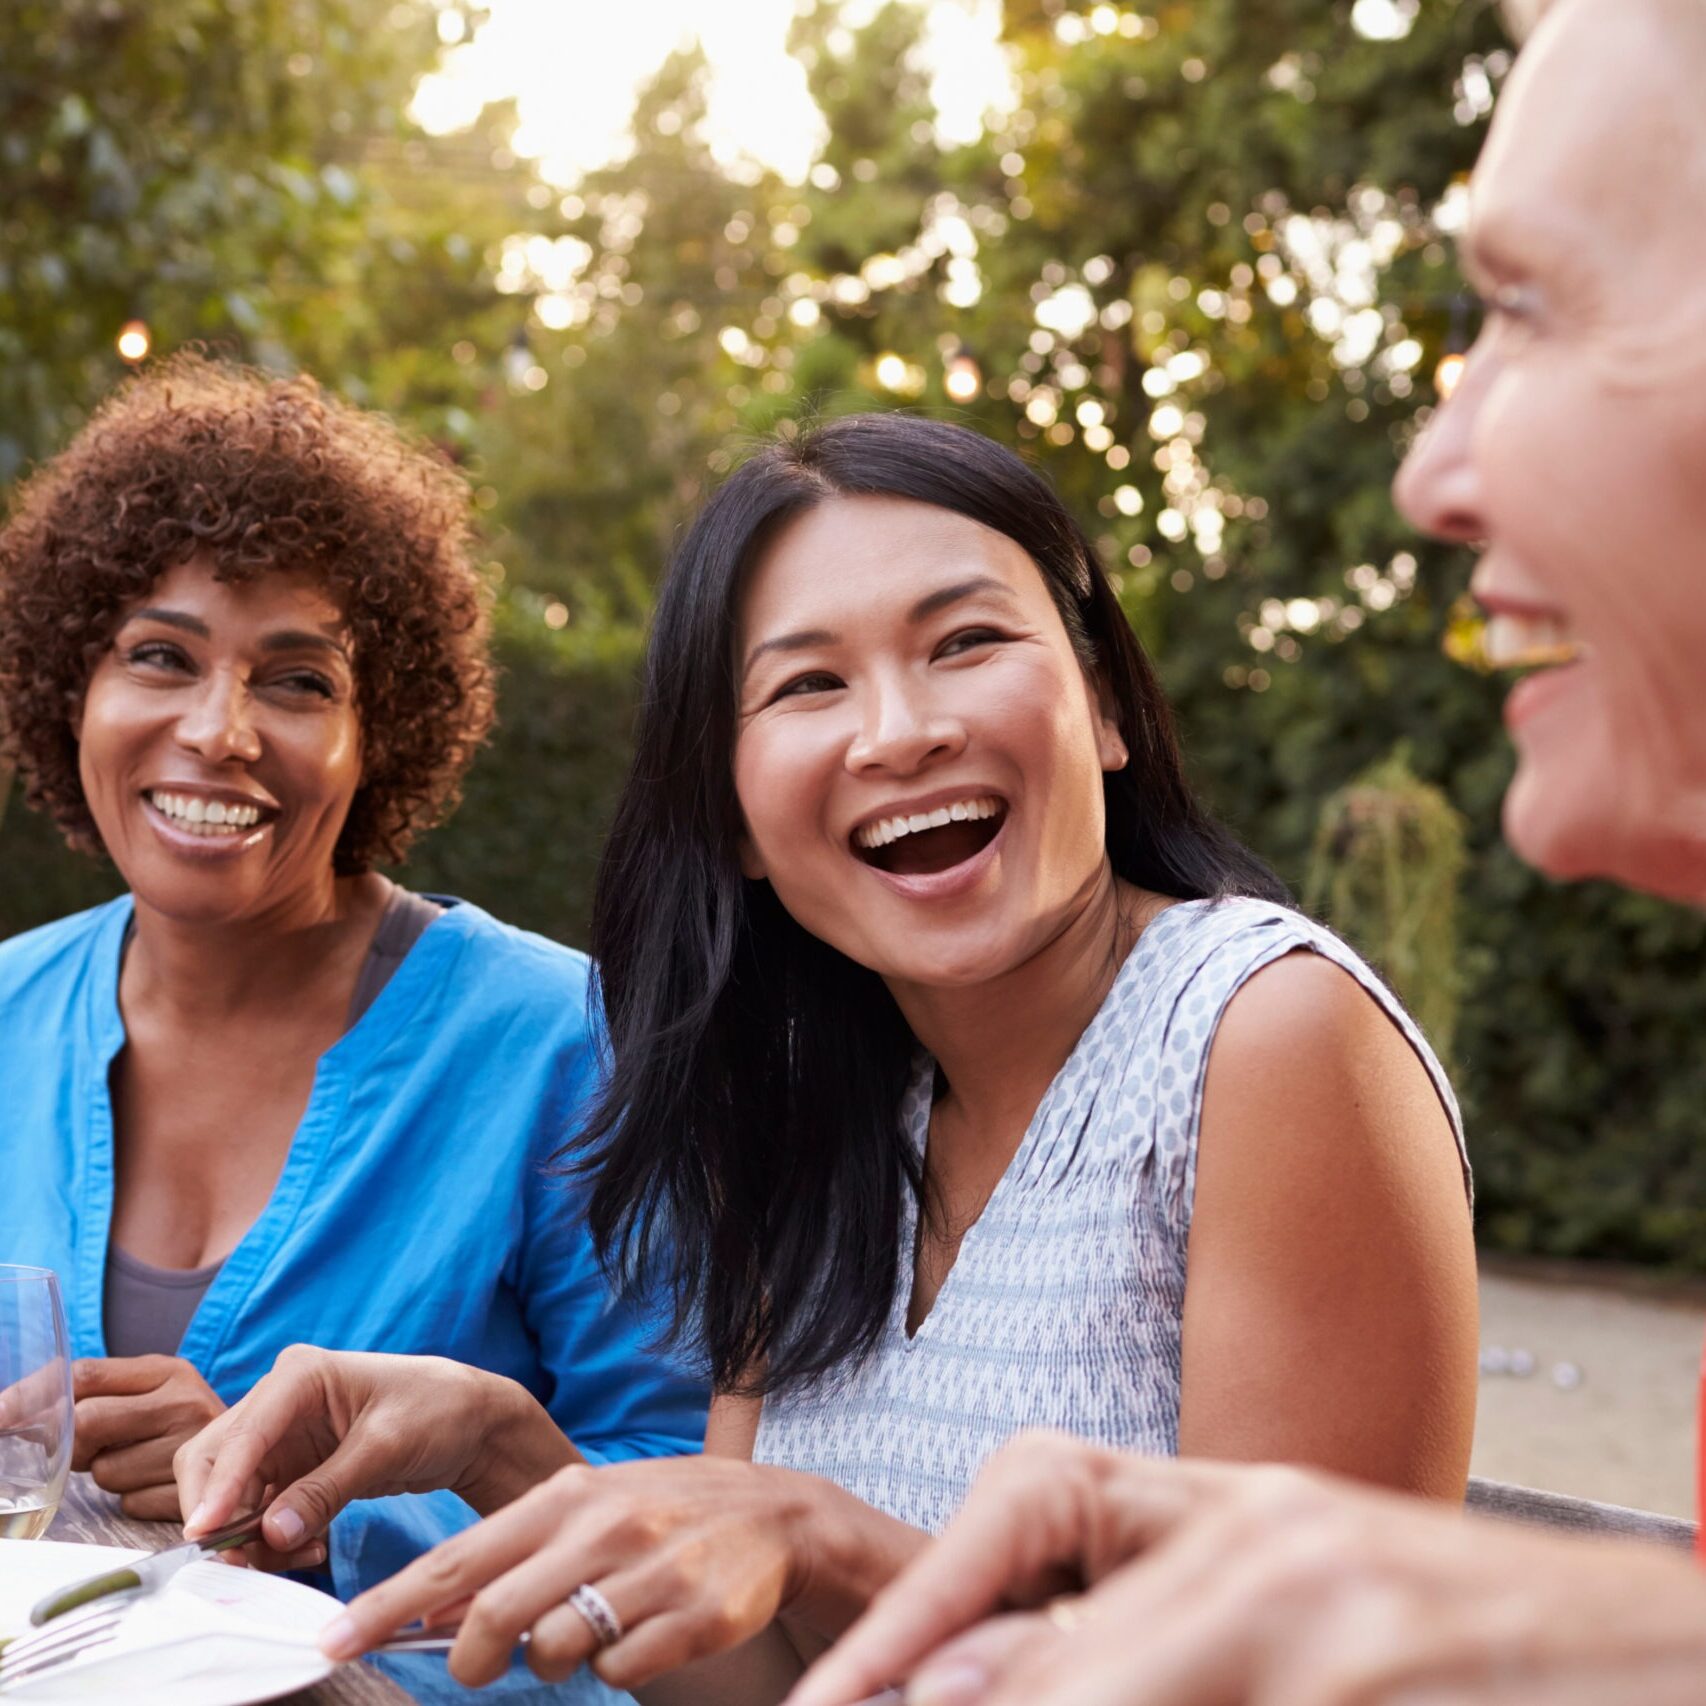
(259, 474)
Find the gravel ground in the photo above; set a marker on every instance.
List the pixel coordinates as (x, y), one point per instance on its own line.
(1607, 1408)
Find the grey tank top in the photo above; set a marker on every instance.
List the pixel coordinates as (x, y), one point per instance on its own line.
(1064, 1306)
(146, 1309)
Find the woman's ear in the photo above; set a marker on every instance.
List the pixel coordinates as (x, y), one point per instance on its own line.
(1111, 748)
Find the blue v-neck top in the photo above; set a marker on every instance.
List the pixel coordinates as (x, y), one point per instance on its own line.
(413, 1214)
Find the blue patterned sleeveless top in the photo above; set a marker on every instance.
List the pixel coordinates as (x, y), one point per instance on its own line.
(1064, 1305)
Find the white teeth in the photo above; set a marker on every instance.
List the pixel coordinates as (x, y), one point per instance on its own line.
(1527, 642)
(890, 829)
(204, 817)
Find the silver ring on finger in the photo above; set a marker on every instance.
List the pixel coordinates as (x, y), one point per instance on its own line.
(599, 1613)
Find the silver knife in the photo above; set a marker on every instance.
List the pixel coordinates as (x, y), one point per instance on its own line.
(145, 1575)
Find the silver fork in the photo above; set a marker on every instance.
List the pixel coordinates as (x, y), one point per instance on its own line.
(63, 1640)
(72, 1633)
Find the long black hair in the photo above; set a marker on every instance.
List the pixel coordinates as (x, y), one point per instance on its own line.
(745, 1154)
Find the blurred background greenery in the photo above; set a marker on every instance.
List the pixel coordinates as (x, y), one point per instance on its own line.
(1195, 260)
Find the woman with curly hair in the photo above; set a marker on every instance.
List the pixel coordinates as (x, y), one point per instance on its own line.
(269, 1095)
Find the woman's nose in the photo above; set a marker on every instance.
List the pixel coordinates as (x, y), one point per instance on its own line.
(219, 725)
(1438, 489)
(902, 729)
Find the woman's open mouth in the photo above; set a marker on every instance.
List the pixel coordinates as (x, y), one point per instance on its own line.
(919, 844)
(1536, 645)
(1509, 641)
(1530, 642)
(204, 818)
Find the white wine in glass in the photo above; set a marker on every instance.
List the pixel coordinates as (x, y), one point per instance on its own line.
(36, 1414)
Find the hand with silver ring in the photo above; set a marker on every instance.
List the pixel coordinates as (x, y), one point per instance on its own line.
(634, 1569)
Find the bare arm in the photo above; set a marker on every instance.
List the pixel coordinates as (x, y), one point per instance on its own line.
(1330, 1308)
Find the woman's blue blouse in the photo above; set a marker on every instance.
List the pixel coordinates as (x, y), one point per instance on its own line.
(414, 1212)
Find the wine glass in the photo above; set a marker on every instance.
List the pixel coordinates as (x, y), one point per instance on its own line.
(36, 1414)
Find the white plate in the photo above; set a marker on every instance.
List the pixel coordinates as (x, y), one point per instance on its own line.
(215, 1636)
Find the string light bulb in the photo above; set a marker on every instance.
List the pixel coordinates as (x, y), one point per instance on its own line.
(962, 378)
(133, 342)
(895, 373)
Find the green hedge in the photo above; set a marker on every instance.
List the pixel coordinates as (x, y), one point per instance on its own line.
(525, 842)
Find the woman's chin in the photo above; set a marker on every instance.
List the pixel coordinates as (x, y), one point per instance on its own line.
(1574, 828)
(188, 902)
(950, 965)
(1558, 826)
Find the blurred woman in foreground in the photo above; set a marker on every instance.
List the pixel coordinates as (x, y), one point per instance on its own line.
(965, 1076)
(268, 1095)
(1575, 449)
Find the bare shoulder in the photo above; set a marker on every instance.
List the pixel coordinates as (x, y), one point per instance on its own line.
(1305, 1050)
(1305, 1012)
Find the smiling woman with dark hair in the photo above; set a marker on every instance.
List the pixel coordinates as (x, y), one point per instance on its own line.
(269, 1095)
(966, 1076)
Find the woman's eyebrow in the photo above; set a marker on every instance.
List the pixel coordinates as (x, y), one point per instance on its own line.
(300, 639)
(1503, 244)
(286, 640)
(795, 642)
(1483, 263)
(940, 599)
(927, 606)
(171, 619)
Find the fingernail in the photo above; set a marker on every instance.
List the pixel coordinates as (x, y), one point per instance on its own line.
(288, 1526)
(339, 1640)
(956, 1684)
(196, 1517)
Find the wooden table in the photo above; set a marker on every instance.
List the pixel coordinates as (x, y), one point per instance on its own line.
(88, 1514)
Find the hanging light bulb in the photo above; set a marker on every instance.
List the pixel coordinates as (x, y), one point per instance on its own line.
(891, 371)
(133, 341)
(962, 378)
(895, 373)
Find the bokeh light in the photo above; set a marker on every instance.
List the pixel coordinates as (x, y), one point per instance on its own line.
(573, 74)
(134, 341)
(963, 378)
